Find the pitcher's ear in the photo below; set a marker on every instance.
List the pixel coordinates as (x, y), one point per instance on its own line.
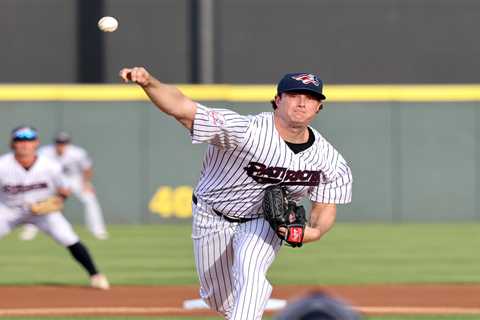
(320, 107)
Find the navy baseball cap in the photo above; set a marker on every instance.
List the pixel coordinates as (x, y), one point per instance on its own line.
(301, 81)
(62, 137)
(24, 133)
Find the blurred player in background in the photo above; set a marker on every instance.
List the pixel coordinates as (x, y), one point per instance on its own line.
(78, 169)
(26, 179)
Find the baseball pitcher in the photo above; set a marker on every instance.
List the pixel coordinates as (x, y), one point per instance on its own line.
(255, 172)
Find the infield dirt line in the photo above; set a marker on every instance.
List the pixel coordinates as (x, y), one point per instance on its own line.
(167, 310)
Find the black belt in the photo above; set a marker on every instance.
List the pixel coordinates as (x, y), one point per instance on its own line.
(228, 218)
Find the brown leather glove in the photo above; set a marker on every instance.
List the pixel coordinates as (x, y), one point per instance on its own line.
(49, 205)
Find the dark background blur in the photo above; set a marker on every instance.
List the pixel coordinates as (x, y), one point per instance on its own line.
(345, 41)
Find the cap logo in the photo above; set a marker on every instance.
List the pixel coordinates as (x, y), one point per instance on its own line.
(307, 78)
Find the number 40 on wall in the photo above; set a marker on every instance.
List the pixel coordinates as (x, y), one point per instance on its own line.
(170, 202)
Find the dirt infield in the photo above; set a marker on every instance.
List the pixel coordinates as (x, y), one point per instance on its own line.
(168, 300)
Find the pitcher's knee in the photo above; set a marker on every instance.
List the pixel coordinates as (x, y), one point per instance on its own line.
(253, 281)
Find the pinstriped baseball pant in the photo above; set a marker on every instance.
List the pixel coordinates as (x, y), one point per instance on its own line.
(232, 260)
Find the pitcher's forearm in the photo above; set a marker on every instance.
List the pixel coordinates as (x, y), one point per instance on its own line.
(322, 219)
(171, 101)
(167, 98)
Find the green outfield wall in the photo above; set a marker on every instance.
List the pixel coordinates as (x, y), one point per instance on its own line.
(411, 161)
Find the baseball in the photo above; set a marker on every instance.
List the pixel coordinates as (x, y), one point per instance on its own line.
(108, 24)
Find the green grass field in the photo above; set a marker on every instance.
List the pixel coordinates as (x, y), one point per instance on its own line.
(350, 254)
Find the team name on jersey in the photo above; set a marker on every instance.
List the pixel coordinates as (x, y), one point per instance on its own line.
(19, 188)
(263, 174)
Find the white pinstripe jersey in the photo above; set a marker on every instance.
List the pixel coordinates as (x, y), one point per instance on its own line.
(246, 154)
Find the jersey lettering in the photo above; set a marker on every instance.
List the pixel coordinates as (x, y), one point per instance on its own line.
(263, 174)
(15, 189)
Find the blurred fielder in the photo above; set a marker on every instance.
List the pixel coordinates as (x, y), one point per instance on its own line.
(271, 160)
(32, 190)
(78, 169)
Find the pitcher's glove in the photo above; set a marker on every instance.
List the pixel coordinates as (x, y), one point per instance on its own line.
(49, 205)
(279, 212)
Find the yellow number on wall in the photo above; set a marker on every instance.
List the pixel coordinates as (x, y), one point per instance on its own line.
(183, 202)
(161, 202)
(168, 202)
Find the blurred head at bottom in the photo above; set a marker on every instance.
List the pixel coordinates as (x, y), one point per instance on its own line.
(317, 306)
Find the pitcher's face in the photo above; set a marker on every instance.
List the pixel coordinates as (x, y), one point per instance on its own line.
(298, 108)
